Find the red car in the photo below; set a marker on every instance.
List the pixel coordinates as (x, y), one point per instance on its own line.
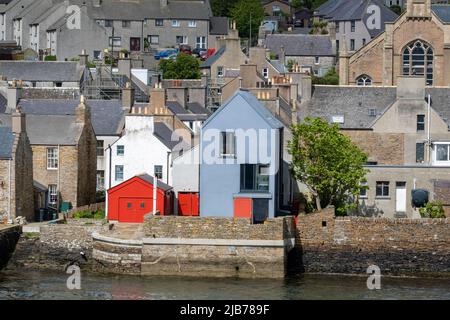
(184, 48)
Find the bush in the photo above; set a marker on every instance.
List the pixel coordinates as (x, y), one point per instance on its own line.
(50, 58)
(433, 209)
(331, 78)
(99, 215)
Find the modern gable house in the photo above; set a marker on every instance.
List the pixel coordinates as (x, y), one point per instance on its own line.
(356, 22)
(407, 142)
(315, 54)
(240, 150)
(16, 170)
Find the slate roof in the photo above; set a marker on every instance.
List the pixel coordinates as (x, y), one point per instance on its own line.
(218, 26)
(256, 105)
(139, 10)
(41, 71)
(6, 142)
(149, 179)
(354, 102)
(300, 45)
(50, 129)
(347, 10)
(164, 134)
(442, 11)
(106, 115)
(211, 60)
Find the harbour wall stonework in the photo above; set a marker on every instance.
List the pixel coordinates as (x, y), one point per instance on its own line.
(8, 240)
(326, 243)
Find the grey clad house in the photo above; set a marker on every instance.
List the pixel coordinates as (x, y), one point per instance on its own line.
(313, 53)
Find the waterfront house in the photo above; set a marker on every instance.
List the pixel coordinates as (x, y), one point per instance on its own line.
(146, 145)
(241, 169)
(407, 141)
(131, 200)
(64, 155)
(16, 170)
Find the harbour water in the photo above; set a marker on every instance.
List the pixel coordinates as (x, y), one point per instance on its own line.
(36, 285)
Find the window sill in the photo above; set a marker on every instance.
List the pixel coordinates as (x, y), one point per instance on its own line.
(52, 169)
(253, 195)
(382, 198)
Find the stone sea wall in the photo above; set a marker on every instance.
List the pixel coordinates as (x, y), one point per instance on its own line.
(8, 240)
(200, 247)
(350, 244)
(57, 245)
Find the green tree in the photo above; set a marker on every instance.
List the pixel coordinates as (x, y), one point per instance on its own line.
(328, 163)
(433, 209)
(184, 67)
(222, 8)
(242, 11)
(330, 78)
(297, 4)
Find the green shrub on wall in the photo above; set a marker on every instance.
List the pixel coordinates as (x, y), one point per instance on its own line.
(50, 58)
(433, 209)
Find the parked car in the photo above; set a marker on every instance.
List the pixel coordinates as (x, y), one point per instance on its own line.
(198, 51)
(186, 49)
(165, 53)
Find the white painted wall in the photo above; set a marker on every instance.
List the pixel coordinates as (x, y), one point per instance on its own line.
(141, 74)
(142, 151)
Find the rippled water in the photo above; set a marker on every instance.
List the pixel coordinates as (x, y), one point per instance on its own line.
(52, 285)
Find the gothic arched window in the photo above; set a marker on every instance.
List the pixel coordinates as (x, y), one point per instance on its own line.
(364, 80)
(418, 60)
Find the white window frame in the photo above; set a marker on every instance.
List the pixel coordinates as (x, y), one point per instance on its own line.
(52, 194)
(176, 24)
(153, 36)
(160, 173)
(192, 24)
(435, 154)
(316, 60)
(265, 72)
(183, 41)
(201, 42)
(230, 148)
(117, 41)
(122, 153)
(52, 158)
(116, 173)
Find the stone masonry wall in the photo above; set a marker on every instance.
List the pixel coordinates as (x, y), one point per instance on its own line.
(351, 244)
(8, 240)
(57, 245)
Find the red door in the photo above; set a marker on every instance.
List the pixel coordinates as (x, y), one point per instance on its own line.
(188, 204)
(134, 209)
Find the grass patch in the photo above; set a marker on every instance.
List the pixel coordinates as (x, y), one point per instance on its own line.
(31, 235)
(98, 215)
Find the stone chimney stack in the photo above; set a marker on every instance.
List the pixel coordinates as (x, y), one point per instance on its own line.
(158, 99)
(282, 56)
(84, 58)
(18, 121)
(13, 95)
(344, 58)
(418, 8)
(82, 112)
(127, 97)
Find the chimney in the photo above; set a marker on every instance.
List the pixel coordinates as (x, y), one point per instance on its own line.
(127, 97)
(18, 121)
(158, 98)
(84, 58)
(124, 66)
(82, 112)
(306, 88)
(13, 94)
(282, 56)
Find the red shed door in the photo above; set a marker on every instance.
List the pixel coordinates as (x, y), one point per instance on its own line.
(188, 204)
(134, 209)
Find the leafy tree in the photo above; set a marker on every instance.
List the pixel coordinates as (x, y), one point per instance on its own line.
(433, 209)
(184, 67)
(330, 78)
(222, 8)
(242, 11)
(328, 163)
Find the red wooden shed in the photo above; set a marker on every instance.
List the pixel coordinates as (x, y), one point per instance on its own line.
(131, 200)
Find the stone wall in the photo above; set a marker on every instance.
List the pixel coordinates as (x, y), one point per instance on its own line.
(351, 244)
(57, 245)
(8, 240)
(200, 247)
(50, 93)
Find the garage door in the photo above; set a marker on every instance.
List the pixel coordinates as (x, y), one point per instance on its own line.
(188, 204)
(134, 209)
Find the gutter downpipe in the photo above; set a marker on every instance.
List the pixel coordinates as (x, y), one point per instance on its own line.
(429, 129)
(109, 182)
(59, 181)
